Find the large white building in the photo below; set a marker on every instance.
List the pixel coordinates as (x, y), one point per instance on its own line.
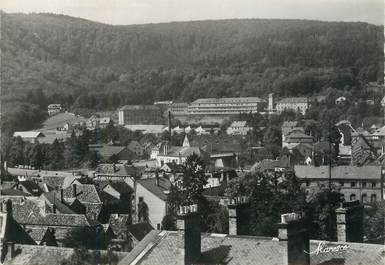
(226, 106)
(295, 104)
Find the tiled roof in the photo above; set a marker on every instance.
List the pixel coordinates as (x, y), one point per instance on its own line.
(117, 169)
(37, 234)
(338, 172)
(150, 185)
(269, 164)
(293, 100)
(31, 255)
(45, 255)
(228, 100)
(32, 212)
(13, 192)
(168, 249)
(85, 193)
(356, 254)
(53, 197)
(53, 181)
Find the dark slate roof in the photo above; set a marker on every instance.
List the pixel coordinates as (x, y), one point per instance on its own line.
(175, 167)
(150, 185)
(12, 231)
(121, 187)
(106, 151)
(85, 193)
(168, 249)
(184, 151)
(140, 230)
(107, 198)
(32, 187)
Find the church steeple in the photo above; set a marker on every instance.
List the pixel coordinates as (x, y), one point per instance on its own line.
(186, 142)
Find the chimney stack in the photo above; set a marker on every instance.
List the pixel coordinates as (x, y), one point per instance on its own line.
(156, 177)
(61, 195)
(293, 230)
(238, 215)
(11, 249)
(169, 123)
(6, 206)
(350, 218)
(188, 221)
(74, 192)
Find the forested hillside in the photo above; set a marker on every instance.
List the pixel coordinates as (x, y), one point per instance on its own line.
(85, 64)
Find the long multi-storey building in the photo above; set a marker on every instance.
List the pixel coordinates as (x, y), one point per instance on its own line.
(226, 106)
(295, 104)
(140, 114)
(364, 183)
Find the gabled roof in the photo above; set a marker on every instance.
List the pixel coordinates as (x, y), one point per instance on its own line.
(37, 234)
(53, 197)
(150, 185)
(32, 187)
(175, 167)
(106, 151)
(85, 193)
(28, 134)
(117, 169)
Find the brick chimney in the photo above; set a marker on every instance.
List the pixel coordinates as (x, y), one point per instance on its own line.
(350, 218)
(238, 215)
(188, 221)
(293, 230)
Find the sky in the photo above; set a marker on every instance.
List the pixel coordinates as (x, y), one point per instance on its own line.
(125, 12)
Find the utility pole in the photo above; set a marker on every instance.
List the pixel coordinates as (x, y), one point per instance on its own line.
(330, 157)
